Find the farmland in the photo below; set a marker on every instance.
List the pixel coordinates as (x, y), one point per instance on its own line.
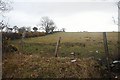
(83, 44)
(35, 56)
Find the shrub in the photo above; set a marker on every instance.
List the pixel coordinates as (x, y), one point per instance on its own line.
(7, 47)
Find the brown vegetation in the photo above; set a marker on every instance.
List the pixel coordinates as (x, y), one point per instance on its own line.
(34, 66)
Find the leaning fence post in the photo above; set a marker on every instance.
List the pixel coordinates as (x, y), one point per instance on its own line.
(107, 52)
(22, 40)
(57, 47)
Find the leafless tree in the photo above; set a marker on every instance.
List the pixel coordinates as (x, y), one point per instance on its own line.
(47, 24)
(118, 4)
(5, 5)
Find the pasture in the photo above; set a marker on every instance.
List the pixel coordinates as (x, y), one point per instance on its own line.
(84, 44)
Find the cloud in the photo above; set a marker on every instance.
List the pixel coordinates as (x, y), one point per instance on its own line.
(65, 0)
(71, 15)
(22, 19)
(89, 21)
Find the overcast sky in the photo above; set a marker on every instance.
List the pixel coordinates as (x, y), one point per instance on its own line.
(74, 15)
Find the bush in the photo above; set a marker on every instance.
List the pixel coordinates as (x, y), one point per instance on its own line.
(7, 47)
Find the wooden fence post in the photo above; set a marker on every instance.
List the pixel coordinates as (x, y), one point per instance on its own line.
(57, 47)
(107, 52)
(22, 40)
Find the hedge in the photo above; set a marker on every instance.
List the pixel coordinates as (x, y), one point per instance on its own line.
(13, 36)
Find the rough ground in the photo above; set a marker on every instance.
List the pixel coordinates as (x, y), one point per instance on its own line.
(35, 66)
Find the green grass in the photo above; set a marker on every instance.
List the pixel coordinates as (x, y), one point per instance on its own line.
(84, 44)
(72, 37)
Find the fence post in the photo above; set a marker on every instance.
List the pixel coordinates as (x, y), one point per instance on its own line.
(107, 53)
(22, 40)
(57, 47)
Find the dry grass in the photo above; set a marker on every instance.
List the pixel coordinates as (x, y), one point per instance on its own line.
(34, 66)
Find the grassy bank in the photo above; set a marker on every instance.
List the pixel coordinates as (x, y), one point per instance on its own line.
(34, 66)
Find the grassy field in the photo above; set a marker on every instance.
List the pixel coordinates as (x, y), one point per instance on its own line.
(83, 44)
(36, 56)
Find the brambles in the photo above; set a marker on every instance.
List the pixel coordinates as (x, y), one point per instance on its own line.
(7, 47)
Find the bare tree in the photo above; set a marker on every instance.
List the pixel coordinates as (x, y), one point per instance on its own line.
(5, 5)
(118, 4)
(47, 24)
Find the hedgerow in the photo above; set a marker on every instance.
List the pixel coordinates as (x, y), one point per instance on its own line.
(6, 37)
(13, 36)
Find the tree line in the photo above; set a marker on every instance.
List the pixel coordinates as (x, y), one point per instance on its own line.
(46, 24)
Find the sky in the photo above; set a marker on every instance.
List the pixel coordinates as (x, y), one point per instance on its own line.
(73, 15)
